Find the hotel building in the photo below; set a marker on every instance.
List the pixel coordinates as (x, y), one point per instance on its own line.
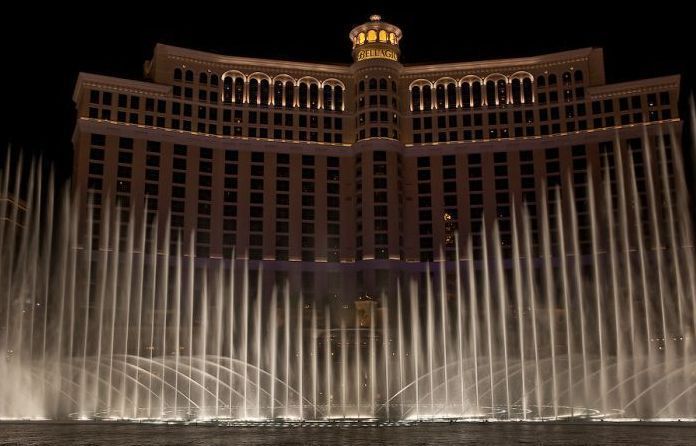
(341, 178)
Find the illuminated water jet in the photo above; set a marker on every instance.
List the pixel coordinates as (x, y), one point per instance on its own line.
(127, 330)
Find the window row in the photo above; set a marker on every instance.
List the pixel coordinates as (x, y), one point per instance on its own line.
(283, 92)
(472, 91)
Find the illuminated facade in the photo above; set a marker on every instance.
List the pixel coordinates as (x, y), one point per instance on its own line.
(339, 177)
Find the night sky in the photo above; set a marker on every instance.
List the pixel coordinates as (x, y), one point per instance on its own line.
(42, 59)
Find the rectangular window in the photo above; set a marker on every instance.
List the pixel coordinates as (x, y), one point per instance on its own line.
(608, 106)
(97, 140)
(125, 143)
(664, 98)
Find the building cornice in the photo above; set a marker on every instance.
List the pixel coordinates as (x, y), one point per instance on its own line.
(308, 147)
(208, 140)
(516, 64)
(554, 140)
(118, 84)
(635, 87)
(186, 55)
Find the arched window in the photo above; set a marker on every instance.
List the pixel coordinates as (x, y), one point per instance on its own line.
(239, 90)
(289, 94)
(189, 76)
(502, 92)
(578, 76)
(314, 96)
(213, 79)
(566, 78)
(382, 36)
(303, 95)
(427, 98)
(516, 91)
(278, 93)
(373, 84)
(552, 79)
(372, 35)
(440, 96)
(177, 74)
(490, 93)
(392, 38)
(466, 95)
(227, 90)
(202, 78)
(451, 96)
(476, 93)
(361, 38)
(415, 98)
(541, 81)
(361, 86)
(328, 100)
(265, 87)
(254, 91)
(394, 86)
(383, 84)
(528, 96)
(338, 97)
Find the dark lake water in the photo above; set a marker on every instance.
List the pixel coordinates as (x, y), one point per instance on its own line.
(46, 433)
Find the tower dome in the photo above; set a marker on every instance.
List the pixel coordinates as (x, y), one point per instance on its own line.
(375, 40)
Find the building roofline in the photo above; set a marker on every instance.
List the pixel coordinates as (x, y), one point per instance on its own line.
(415, 69)
(209, 57)
(116, 83)
(652, 83)
(559, 57)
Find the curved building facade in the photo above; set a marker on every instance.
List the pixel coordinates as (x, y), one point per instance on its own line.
(340, 178)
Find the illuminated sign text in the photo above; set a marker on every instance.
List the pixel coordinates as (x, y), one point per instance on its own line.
(376, 54)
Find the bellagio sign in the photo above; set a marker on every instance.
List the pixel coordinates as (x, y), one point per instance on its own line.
(376, 53)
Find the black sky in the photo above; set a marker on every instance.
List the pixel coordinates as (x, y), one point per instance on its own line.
(45, 48)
